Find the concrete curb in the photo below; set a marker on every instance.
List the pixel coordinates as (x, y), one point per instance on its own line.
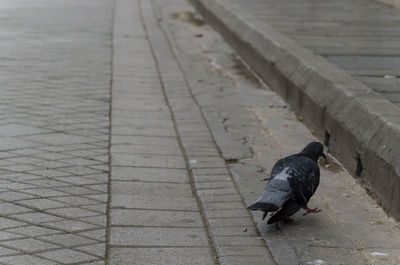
(359, 126)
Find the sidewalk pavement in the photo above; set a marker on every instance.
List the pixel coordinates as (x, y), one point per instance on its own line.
(137, 136)
(164, 159)
(337, 64)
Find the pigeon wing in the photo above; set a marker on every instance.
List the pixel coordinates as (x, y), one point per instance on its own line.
(277, 191)
(305, 181)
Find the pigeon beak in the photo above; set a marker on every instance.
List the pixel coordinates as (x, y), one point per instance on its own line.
(323, 155)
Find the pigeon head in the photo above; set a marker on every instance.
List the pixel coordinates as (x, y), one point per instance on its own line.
(313, 150)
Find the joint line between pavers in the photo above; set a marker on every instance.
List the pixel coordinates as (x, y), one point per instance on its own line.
(108, 209)
(191, 177)
(154, 246)
(209, 130)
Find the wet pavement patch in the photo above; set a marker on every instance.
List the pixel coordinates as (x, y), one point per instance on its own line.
(189, 17)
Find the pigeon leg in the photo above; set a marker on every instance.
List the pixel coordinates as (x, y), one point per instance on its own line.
(308, 210)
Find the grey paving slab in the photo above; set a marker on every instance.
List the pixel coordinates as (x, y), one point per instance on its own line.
(156, 236)
(67, 256)
(178, 256)
(148, 189)
(150, 161)
(149, 181)
(226, 213)
(121, 217)
(68, 240)
(33, 231)
(214, 184)
(150, 174)
(28, 245)
(153, 202)
(25, 259)
(242, 260)
(145, 149)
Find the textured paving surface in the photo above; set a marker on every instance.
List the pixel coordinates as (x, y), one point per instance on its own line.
(54, 129)
(162, 204)
(351, 229)
(362, 37)
(131, 134)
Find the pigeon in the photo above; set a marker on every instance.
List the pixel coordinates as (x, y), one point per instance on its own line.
(294, 179)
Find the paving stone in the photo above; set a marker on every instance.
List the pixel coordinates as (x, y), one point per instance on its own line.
(153, 202)
(97, 220)
(145, 149)
(28, 245)
(242, 250)
(147, 189)
(6, 251)
(155, 218)
(95, 234)
(95, 262)
(227, 222)
(155, 236)
(226, 213)
(244, 260)
(146, 140)
(9, 208)
(67, 240)
(142, 160)
(214, 185)
(42, 204)
(130, 130)
(71, 212)
(95, 250)
(5, 236)
(37, 217)
(32, 230)
(238, 241)
(153, 256)
(9, 223)
(45, 192)
(210, 171)
(67, 256)
(76, 201)
(234, 231)
(150, 174)
(71, 226)
(223, 205)
(25, 259)
(220, 198)
(211, 178)
(217, 192)
(58, 138)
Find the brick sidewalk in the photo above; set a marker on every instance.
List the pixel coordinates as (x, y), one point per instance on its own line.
(165, 207)
(54, 130)
(63, 199)
(130, 136)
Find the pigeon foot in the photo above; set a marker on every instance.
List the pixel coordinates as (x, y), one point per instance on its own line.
(308, 210)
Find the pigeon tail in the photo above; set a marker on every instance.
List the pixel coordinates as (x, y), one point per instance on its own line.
(289, 208)
(263, 206)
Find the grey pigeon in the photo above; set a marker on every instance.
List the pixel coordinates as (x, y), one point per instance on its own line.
(293, 181)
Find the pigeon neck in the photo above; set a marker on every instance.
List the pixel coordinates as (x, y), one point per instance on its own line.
(312, 156)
